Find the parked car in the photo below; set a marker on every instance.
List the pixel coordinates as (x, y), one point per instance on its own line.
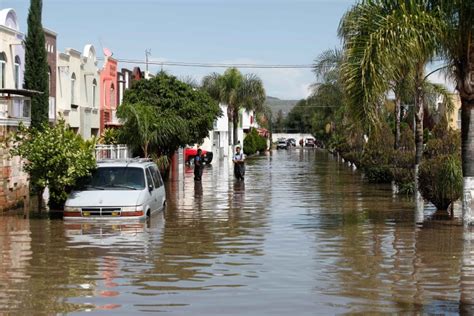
(282, 144)
(190, 153)
(309, 142)
(121, 189)
(292, 141)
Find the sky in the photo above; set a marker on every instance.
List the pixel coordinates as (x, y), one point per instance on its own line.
(210, 31)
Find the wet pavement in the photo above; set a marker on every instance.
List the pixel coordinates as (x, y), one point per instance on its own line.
(302, 235)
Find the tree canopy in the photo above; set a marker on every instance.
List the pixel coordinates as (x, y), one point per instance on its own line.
(163, 114)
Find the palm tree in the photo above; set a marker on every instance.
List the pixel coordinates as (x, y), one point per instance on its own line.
(381, 39)
(457, 47)
(236, 91)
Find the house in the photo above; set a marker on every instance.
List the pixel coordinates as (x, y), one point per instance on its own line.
(218, 140)
(125, 79)
(15, 108)
(108, 93)
(78, 90)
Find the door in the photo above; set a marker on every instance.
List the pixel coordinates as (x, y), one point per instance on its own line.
(152, 198)
(159, 186)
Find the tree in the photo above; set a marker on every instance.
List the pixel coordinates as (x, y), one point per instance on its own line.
(55, 157)
(162, 114)
(36, 66)
(457, 47)
(236, 91)
(382, 38)
(327, 99)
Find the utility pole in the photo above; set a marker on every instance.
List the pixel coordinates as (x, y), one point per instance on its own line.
(147, 54)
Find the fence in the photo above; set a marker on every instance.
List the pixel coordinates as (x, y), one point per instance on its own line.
(112, 152)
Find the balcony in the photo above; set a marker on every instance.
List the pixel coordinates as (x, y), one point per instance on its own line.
(15, 109)
(111, 119)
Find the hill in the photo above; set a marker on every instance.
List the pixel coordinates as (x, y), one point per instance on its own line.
(277, 104)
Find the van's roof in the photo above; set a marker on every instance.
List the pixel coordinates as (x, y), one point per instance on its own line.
(137, 163)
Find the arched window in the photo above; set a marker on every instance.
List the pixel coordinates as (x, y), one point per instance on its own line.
(3, 64)
(112, 95)
(17, 72)
(94, 92)
(73, 88)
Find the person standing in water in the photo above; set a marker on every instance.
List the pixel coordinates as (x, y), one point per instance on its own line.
(239, 164)
(198, 165)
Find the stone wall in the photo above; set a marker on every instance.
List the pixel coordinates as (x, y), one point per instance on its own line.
(14, 190)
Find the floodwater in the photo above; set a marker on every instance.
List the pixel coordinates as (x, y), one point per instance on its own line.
(303, 235)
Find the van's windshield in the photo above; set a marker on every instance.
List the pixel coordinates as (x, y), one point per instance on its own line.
(115, 178)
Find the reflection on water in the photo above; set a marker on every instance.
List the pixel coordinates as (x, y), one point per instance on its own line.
(303, 234)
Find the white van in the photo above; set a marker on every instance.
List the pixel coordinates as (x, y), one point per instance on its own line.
(119, 189)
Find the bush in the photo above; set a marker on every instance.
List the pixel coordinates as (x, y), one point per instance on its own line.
(378, 152)
(253, 142)
(440, 174)
(55, 157)
(110, 136)
(403, 163)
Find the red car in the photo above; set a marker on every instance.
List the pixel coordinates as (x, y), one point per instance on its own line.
(190, 153)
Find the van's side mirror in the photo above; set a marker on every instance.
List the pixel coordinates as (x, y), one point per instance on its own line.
(150, 187)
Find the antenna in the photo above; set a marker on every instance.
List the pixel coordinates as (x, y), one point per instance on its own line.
(147, 54)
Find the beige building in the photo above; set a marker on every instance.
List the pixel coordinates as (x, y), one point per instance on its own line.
(78, 90)
(14, 109)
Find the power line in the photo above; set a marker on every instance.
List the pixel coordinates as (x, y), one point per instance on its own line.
(213, 65)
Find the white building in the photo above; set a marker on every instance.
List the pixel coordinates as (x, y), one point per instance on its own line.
(78, 90)
(218, 140)
(15, 108)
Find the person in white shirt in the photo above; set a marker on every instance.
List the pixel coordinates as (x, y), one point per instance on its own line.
(239, 164)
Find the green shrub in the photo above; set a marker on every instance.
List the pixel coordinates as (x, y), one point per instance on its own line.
(440, 174)
(440, 180)
(403, 163)
(378, 152)
(110, 136)
(253, 142)
(55, 157)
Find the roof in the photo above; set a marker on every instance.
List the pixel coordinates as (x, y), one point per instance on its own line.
(133, 162)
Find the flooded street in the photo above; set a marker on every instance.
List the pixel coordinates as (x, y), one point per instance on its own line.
(303, 235)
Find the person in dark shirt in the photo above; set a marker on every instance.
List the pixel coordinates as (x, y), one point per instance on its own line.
(198, 165)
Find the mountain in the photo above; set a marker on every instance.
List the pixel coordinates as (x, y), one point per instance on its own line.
(276, 105)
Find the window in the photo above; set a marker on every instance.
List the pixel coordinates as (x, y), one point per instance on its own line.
(94, 92)
(73, 88)
(49, 79)
(156, 177)
(116, 178)
(112, 95)
(3, 63)
(149, 179)
(17, 72)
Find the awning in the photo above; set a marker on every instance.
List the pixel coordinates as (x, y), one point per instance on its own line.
(22, 92)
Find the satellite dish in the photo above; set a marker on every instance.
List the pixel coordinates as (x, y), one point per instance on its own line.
(107, 52)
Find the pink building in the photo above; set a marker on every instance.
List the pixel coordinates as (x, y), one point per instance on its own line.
(108, 94)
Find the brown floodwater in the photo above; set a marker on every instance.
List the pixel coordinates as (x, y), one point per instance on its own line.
(303, 235)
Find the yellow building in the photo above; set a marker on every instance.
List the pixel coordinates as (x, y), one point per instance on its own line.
(454, 118)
